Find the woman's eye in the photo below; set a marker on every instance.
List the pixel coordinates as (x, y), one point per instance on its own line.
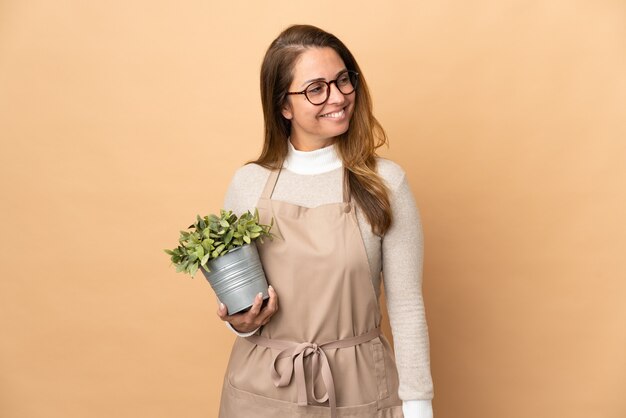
(315, 90)
(343, 80)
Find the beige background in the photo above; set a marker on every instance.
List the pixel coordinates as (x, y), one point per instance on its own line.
(121, 120)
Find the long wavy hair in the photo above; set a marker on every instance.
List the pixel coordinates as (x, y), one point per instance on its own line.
(356, 147)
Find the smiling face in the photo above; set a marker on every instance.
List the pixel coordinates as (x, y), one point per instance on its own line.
(314, 127)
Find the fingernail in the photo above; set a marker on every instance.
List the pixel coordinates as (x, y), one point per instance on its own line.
(221, 306)
(260, 294)
(270, 287)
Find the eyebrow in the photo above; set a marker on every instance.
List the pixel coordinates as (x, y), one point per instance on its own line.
(321, 78)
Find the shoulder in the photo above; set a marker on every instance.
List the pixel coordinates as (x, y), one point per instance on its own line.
(249, 176)
(249, 172)
(245, 187)
(390, 171)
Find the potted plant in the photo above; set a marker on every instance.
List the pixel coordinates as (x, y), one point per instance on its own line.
(224, 249)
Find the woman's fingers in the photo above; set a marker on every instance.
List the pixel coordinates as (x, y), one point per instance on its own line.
(222, 311)
(255, 316)
(256, 306)
(271, 308)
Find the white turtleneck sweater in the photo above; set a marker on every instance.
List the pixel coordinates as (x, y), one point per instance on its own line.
(313, 178)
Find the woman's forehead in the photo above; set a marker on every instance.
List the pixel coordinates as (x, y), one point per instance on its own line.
(316, 63)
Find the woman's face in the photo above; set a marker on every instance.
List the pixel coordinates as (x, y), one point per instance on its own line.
(312, 126)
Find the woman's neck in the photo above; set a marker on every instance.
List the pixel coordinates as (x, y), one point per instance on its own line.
(317, 161)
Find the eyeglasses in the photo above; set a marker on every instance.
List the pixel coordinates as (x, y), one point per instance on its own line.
(319, 91)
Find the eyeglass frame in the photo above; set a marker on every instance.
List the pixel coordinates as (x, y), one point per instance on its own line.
(328, 83)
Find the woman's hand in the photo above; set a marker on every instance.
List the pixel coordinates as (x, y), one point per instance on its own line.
(254, 317)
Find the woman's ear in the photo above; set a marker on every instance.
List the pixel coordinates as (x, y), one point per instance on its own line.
(286, 110)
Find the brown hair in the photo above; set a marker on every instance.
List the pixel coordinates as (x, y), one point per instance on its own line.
(356, 147)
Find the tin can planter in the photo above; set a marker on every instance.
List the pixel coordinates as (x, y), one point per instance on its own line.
(237, 277)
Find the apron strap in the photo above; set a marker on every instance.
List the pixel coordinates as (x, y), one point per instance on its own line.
(270, 183)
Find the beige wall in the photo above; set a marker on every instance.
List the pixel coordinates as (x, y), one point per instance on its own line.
(119, 121)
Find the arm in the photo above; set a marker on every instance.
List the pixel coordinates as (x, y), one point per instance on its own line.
(402, 259)
(241, 195)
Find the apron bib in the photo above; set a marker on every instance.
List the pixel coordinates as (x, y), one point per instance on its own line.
(322, 354)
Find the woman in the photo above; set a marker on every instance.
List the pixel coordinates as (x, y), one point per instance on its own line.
(342, 215)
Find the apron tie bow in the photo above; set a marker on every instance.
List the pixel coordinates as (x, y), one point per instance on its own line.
(295, 368)
(319, 364)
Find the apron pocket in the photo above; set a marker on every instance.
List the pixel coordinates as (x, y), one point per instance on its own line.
(238, 403)
(381, 370)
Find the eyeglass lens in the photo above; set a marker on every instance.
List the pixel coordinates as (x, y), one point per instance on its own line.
(318, 92)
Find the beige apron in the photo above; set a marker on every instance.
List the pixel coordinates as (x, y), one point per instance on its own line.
(322, 353)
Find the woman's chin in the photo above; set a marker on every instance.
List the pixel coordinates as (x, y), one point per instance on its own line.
(339, 129)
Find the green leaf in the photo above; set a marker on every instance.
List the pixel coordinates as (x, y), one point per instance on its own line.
(181, 267)
(229, 236)
(246, 238)
(217, 251)
(193, 269)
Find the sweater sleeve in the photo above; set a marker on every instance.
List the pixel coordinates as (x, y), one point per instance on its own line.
(402, 259)
(234, 200)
